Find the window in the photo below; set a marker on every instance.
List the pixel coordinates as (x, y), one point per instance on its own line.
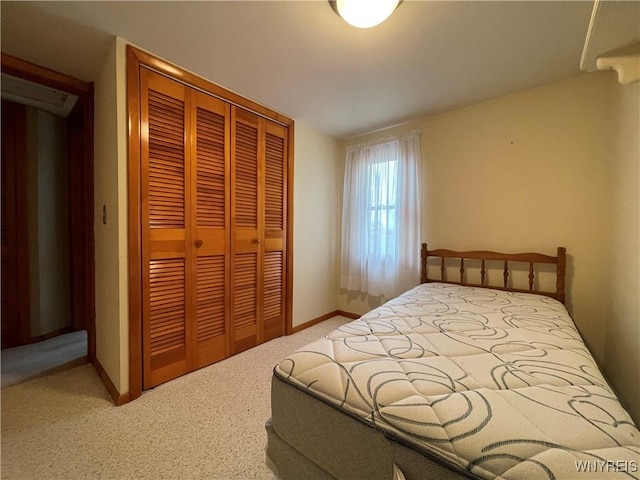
(381, 217)
(383, 179)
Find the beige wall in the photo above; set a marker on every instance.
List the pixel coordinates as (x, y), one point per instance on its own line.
(621, 325)
(317, 193)
(553, 166)
(110, 189)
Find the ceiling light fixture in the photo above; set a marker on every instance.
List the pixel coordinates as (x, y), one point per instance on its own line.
(364, 13)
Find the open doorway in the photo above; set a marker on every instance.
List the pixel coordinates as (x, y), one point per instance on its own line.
(48, 298)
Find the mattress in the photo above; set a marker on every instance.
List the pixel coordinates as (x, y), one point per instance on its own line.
(487, 383)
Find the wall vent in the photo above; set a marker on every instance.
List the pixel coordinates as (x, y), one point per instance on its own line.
(29, 93)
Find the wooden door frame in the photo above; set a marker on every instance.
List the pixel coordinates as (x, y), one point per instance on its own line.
(137, 59)
(81, 192)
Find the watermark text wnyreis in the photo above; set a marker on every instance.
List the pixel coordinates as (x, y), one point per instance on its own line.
(606, 466)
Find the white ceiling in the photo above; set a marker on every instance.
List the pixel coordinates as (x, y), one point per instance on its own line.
(300, 58)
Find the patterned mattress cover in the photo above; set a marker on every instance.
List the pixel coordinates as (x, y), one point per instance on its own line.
(498, 384)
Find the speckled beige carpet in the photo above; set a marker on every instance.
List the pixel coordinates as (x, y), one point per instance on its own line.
(208, 424)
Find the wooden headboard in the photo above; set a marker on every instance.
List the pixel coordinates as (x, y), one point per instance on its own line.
(560, 261)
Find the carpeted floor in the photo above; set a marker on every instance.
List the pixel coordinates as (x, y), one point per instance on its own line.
(20, 364)
(208, 424)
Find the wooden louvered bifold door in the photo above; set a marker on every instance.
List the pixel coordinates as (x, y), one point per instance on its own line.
(165, 154)
(275, 213)
(210, 217)
(186, 227)
(259, 192)
(213, 236)
(247, 226)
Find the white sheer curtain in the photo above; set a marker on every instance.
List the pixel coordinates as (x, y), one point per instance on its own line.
(381, 220)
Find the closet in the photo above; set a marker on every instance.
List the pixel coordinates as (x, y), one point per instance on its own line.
(213, 211)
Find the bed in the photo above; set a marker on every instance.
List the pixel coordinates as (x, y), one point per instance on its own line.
(453, 379)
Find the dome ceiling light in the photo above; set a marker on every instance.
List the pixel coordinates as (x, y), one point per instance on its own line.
(364, 13)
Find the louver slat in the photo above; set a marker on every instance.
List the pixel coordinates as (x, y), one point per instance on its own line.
(166, 305)
(246, 290)
(166, 185)
(246, 172)
(272, 285)
(210, 297)
(274, 182)
(273, 292)
(210, 169)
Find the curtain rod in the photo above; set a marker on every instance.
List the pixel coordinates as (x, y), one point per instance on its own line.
(385, 139)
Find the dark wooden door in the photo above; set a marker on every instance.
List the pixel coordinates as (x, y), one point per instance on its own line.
(15, 262)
